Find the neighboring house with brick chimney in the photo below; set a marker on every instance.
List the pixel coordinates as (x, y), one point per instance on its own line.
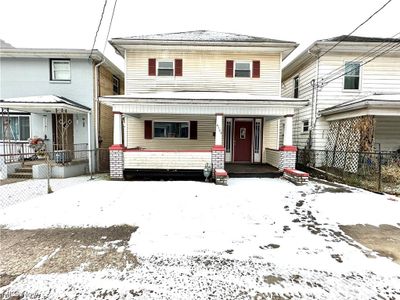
(200, 98)
(353, 88)
(42, 88)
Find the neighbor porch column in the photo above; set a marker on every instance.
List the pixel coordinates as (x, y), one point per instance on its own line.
(117, 128)
(117, 150)
(287, 153)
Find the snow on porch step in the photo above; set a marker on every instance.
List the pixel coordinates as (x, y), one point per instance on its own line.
(295, 176)
(221, 176)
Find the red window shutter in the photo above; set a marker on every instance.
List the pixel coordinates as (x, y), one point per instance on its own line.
(148, 129)
(256, 69)
(178, 67)
(229, 68)
(152, 67)
(193, 130)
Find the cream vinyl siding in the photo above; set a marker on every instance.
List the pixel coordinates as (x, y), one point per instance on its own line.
(203, 70)
(270, 136)
(134, 127)
(387, 133)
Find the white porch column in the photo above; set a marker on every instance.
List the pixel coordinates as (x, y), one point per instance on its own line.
(117, 128)
(288, 134)
(218, 129)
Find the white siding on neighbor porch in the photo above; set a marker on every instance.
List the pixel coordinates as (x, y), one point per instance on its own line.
(272, 157)
(203, 70)
(166, 160)
(387, 133)
(134, 127)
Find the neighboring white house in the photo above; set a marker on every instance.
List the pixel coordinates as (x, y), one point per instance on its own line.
(200, 97)
(353, 89)
(43, 87)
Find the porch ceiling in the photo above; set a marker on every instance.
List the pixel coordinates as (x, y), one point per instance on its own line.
(43, 104)
(203, 103)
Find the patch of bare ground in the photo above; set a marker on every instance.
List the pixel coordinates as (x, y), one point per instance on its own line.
(384, 239)
(60, 250)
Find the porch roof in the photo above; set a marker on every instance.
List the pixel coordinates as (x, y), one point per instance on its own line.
(376, 104)
(204, 103)
(43, 104)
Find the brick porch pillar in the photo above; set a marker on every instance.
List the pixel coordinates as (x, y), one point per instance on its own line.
(218, 151)
(287, 157)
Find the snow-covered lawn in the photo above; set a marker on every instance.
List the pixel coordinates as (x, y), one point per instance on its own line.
(254, 238)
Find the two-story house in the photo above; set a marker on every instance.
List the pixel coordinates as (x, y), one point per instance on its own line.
(200, 98)
(353, 87)
(53, 94)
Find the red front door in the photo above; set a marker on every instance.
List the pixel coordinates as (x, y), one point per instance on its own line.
(242, 141)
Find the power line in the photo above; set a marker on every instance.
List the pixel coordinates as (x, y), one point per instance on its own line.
(345, 37)
(109, 26)
(98, 28)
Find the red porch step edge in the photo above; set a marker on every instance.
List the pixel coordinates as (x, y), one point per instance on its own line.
(295, 172)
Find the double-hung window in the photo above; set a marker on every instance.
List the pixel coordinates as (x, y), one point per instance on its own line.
(60, 70)
(352, 76)
(165, 67)
(306, 125)
(14, 128)
(242, 69)
(115, 85)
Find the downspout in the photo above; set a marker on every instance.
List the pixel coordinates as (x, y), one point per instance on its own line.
(96, 107)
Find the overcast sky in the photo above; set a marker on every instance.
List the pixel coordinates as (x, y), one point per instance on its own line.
(73, 23)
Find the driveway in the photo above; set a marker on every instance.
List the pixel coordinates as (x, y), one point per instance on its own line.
(254, 239)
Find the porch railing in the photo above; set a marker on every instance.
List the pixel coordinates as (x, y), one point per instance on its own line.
(14, 151)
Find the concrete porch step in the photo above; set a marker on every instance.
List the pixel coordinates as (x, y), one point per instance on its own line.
(27, 169)
(20, 175)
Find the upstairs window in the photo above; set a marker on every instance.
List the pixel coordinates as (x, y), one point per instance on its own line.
(242, 69)
(352, 76)
(296, 87)
(60, 69)
(165, 67)
(115, 85)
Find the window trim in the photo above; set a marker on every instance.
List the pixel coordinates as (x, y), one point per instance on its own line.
(302, 126)
(119, 85)
(18, 115)
(243, 61)
(170, 138)
(296, 89)
(165, 60)
(52, 61)
(359, 77)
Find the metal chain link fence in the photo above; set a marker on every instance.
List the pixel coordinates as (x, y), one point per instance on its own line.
(375, 171)
(28, 173)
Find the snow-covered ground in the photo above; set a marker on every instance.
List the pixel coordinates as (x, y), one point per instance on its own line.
(254, 238)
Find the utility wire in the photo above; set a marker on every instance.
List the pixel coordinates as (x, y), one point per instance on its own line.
(109, 26)
(345, 37)
(98, 28)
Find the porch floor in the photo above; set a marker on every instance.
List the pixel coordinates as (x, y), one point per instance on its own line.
(251, 170)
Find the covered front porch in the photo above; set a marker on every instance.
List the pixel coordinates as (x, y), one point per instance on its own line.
(46, 130)
(196, 131)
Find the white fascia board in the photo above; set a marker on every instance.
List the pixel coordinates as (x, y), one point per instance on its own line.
(42, 107)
